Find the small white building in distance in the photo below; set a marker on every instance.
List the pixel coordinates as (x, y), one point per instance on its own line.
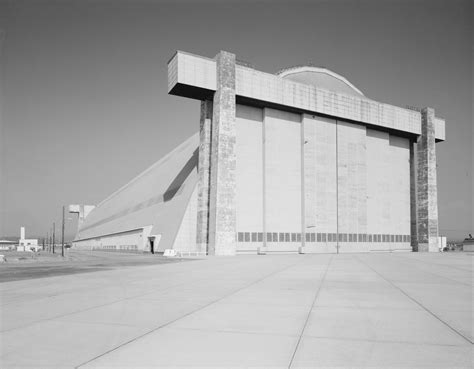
(27, 244)
(6, 245)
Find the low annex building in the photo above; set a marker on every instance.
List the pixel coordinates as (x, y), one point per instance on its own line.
(298, 161)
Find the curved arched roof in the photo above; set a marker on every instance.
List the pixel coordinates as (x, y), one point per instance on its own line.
(320, 77)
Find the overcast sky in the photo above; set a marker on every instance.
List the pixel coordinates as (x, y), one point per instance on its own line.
(84, 104)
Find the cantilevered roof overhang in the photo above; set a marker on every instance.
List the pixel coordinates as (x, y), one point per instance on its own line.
(194, 77)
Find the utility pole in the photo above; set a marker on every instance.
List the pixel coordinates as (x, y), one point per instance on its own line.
(54, 236)
(47, 240)
(43, 244)
(62, 236)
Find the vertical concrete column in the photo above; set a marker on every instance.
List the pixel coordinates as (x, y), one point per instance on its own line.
(263, 250)
(426, 188)
(413, 215)
(303, 186)
(204, 172)
(222, 216)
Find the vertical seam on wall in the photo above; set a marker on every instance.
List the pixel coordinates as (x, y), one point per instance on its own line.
(337, 191)
(413, 210)
(264, 223)
(303, 187)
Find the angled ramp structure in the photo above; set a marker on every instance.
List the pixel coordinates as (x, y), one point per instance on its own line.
(149, 212)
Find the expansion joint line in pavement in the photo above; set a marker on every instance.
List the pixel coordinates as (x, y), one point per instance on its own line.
(97, 306)
(415, 301)
(440, 265)
(309, 312)
(188, 314)
(407, 262)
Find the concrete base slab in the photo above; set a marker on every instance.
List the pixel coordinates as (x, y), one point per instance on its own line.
(188, 348)
(347, 353)
(409, 310)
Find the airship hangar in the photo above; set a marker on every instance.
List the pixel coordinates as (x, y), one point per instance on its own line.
(297, 161)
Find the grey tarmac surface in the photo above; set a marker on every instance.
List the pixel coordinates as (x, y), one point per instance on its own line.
(75, 262)
(399, 310)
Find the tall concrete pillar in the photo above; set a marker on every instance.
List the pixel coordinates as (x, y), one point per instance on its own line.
(204, 172)
(426, 188)
(413, 211)
(266, 236)
(222, 216)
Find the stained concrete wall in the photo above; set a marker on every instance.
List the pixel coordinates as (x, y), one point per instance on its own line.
(282, 171)
(222, 232)
(189, 69)
(333, 186)
(274, 89)
(388, 195)
(363, 203)
(400, 190)
(249, 178)
(426, 187)
(320, 183)
(352, 183)
(413, 196)
(378, 182)
(186, 237)
(347, 202)
(326, 186)
(204, 176)
(136, 240)
(193, 76)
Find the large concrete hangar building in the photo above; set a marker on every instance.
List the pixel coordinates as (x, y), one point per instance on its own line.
(295, 161)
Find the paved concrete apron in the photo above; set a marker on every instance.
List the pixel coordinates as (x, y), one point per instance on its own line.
(378, 310)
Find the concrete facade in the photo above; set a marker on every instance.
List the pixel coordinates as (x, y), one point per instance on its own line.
(282, 172)
(297, 161)
(204, 168)
(194, 76)
(427, 190)
(223, 160)
(319, 166)
(249, 179)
